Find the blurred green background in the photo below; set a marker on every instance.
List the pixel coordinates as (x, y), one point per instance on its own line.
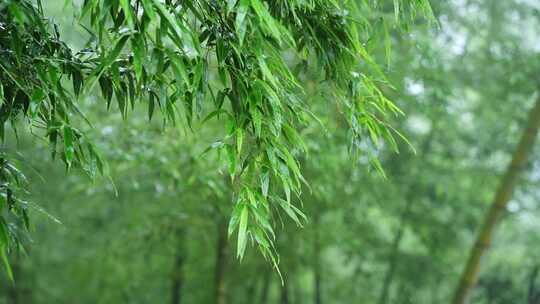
(158, 231)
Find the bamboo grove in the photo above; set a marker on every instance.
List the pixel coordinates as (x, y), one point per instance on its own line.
(254, 151)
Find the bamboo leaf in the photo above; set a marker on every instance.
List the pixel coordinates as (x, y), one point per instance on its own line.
(242, 232)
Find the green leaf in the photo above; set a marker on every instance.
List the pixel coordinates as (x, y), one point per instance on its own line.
(151, 105)
(256, 117)
(4, 244)
(4, 236)
(265, 183)
(181, 33)
(396, 10)
(138, 56)
(235, 219)
(242, 232)
(77, 79)
(240, 20)
(107, 62)
(231, 158)
(239, 140)
(387, 44)
(265, 16)
(149, 9)
(266, 72)
(128, 11)
(292, 211)
(3, 253)
(215, 113)
(231, 4)
(68, 145)
(180, 67)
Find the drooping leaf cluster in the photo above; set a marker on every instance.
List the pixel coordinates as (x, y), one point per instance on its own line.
(39, 76)
(238, 62)
(177, 46)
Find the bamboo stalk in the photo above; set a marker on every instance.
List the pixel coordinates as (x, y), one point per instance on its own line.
(502, 196)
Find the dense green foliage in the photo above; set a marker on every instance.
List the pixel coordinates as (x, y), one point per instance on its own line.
(250, 99)
(166, 54)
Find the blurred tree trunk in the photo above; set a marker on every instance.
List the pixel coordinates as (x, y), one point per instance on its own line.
(12, 294)
(15, 292)
(221, 263)
(533, 295)
(176, 286)
(394, 254)
(317, 260)
(285, 292)
(265, 287)
(250, 292)
(425, 149)
(502, 196)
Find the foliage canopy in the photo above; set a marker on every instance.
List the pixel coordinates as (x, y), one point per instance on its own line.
(238, 62)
